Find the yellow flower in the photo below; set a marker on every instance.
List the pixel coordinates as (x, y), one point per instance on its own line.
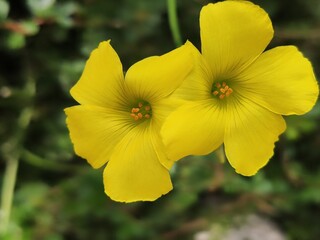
(238, 92)
(119, 120)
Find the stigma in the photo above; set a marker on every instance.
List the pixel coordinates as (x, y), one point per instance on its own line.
(141, 111)
(221, 90)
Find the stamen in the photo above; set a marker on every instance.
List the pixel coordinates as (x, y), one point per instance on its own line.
(215, 93)
(221, 90)
(147, 108)
(143, 111)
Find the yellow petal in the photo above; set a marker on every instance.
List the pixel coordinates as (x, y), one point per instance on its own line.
(195, 128)
(281, 80)
(95, 131)
(233, 34)
(156, 77)
(198, 84)
(134, 172)
(251, 132)
(101, 83)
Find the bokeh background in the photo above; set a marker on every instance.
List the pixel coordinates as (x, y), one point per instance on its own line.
(43, 48)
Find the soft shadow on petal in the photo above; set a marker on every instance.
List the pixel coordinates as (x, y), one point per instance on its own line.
(156, 77)
(281, 80)
(198, 84)
(233, 34)
(251, 133)
(101, 83)
(134, 172)
(95, 131)
(195, 128)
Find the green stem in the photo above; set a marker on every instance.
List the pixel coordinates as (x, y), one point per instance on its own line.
(173, 22)
(220, 154)
(11, 153)
(7, 193)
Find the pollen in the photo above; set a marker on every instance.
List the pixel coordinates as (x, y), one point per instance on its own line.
(221, 90)
(142, 111)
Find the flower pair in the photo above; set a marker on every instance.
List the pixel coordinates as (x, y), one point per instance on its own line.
(186, 102)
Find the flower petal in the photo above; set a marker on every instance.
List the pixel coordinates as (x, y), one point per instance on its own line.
(195, 128)
(156, 77)
(101, 83)
(95, 131)
(281, 80)
(233, 34)
(198, 84)
(251, 132)
(134, 172)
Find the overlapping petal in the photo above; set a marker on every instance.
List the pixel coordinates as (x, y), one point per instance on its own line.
(195, 128)
(198, 84)
(233, 34)
(95, 131)
(156, 77)
(134, 172)
(101, 83)
(251, 132)
(281, 80)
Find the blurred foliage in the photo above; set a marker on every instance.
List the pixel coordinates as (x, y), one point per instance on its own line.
(45, 43)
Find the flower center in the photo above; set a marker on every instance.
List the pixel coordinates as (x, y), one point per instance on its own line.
(221, 90)
(142, 111)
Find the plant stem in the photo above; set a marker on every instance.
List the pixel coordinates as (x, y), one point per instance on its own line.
(173, 22)
(7, 193)
(220, 154)
(11, 153)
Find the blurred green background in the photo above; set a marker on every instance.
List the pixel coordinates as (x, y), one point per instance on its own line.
(43, 48)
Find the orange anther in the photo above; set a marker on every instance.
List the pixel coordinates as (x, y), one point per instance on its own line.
(222, 96)
(135, 110)
(224, 84)
(218, 85)
(140, 104)
(147, 108)
(215, 93)
(226, 87)
(147, 116)
(132, 115)
(222, 90)
(139, 115)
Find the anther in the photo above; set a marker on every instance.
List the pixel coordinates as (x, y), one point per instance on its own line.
(143, 111)
(221, 90)
(135, 110)
(147, 108)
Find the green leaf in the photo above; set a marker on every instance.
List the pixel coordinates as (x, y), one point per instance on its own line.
(40, 6)
(4, 9)
(15, 40)
(30, 27)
